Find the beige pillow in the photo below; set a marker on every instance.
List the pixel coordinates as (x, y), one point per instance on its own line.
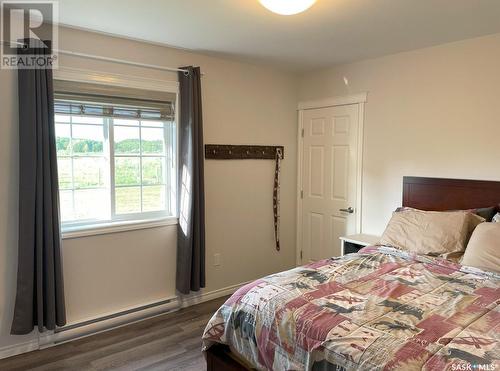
(483, 250)
(433, 233)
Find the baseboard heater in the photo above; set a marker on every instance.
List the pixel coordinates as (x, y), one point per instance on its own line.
(108, 322)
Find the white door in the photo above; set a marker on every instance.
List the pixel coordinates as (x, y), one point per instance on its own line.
(329, 179)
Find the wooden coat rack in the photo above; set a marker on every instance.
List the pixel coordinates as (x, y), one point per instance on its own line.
(242, 152)
(246, 152)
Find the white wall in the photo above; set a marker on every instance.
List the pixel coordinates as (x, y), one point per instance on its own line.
(430, 112)
(243, 104)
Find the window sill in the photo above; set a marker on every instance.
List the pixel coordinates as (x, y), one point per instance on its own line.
(115, 227)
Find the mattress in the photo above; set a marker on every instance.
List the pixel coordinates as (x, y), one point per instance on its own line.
(379, 309)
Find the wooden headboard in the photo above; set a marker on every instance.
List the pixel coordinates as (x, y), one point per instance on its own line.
(438, 194)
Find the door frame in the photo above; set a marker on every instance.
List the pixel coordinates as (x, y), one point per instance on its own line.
(355, 99)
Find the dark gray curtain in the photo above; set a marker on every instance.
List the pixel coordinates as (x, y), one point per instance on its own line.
(191, 229)
(40, 293)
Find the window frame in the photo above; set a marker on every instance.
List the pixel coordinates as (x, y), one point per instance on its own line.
(148, 215)
(130, 221)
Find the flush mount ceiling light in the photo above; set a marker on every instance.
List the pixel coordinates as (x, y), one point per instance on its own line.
(287, 7)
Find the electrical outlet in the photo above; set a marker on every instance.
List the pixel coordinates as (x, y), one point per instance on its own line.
(217, 260)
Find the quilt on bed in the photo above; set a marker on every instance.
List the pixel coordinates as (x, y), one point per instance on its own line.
(379, 309)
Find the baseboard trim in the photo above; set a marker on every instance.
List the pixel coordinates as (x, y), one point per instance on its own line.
(201, 297)
(16, 349)
(111, 321)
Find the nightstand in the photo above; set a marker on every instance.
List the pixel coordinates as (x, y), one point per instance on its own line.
(356, 242)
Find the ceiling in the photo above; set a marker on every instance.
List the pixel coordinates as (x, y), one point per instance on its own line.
(331, 32)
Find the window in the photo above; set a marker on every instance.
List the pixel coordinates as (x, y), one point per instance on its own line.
(115, 160)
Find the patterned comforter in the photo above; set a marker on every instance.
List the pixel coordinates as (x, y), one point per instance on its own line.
(379, 309)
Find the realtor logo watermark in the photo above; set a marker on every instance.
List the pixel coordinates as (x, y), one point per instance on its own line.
(29, 34)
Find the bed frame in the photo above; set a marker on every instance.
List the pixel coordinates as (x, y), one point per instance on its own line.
(432, 194)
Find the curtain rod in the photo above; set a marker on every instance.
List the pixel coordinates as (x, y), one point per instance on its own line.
(121, 61)
(109, 59)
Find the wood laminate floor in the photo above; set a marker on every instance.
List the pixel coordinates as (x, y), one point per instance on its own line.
(168, 342)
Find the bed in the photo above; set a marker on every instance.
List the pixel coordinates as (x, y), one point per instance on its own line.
(378, 309)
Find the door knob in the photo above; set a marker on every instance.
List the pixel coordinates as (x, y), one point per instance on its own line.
(349, 210)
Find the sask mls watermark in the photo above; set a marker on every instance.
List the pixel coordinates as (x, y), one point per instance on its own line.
(29, 34)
